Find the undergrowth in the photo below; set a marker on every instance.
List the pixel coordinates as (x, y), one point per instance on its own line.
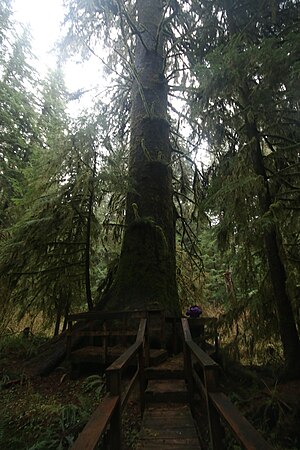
(41, 413)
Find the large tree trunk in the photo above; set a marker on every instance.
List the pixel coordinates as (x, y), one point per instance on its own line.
(88, 237)
(146, 275)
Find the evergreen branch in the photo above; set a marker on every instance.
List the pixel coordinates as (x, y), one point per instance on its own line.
(177, 193)
(90, 49)
(284, 180)
(131, 23)
(280, 137)
(162, 21)
(133, 68)
(65, 243)
(52, 269)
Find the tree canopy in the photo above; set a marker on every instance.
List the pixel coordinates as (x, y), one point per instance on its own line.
(180, 186)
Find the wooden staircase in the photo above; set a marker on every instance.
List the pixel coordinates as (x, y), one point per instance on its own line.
(167, 421)
(167, 396)
(168, 426)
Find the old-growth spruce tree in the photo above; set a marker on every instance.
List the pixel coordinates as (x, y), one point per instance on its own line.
(146, 273)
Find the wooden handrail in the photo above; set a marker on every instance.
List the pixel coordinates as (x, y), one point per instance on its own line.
(203, 358)
(97, 315)
(141, 331)
(122, 362)
(245, 433)
(110, 410)
(218, 405)
(90, 436)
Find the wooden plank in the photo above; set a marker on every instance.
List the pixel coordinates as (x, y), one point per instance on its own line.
(165, 432)
(186, 330)
(199, 383)
(157, 356)
(98, 315)
(132, 351)
(129, 389)
(90, 436)
(107, 333)
(204, 359)
(167, 421)
(245, 433)
(149, 445)
(175, 442)
(175, 412)
(141, 331)
(168, 426)
(114, 387)
(125, 358)
(95, 354)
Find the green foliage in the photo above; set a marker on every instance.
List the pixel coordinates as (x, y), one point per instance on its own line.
(60, 434)
(63, 194)
(95, 384)
(244, 61)
(18, 131)
(19, 345)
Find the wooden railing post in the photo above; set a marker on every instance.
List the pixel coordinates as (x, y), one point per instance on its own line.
(69, 339)
(188, 364)
(216, 430)
(147, 346)
(105, 342)
(163, 329)
(142, 379)
(189, 374)
(114, 387)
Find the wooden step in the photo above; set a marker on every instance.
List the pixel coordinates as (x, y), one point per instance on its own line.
(172, 368)
(157, 356)
(166, 391)
(168, 427)
(96, 355)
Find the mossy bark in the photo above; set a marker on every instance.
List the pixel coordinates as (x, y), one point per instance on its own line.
(146, 275)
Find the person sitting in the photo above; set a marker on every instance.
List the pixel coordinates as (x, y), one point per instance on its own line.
(194, 311)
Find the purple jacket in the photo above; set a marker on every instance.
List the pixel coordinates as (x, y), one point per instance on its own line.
(194, 311)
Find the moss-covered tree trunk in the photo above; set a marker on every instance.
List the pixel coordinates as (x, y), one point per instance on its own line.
(146, 275)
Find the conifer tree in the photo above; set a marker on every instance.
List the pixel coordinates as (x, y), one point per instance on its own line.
(146, 274)
(248, 109)
(18, 133)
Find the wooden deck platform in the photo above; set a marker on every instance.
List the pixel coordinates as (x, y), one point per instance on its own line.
(98, 355)
(168, 426)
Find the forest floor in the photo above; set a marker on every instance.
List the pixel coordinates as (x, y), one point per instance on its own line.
(48, 412)
(272, 407)
(44, 413)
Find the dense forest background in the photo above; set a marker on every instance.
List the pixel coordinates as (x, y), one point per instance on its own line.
(233, 70)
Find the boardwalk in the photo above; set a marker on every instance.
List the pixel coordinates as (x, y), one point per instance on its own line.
(168, 426)
(167, 422)
(167, 392)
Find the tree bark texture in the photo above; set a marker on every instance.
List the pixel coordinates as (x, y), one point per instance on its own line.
(88, 239)
(146, 276)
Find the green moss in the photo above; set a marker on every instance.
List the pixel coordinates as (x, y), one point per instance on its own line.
(143, 279)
